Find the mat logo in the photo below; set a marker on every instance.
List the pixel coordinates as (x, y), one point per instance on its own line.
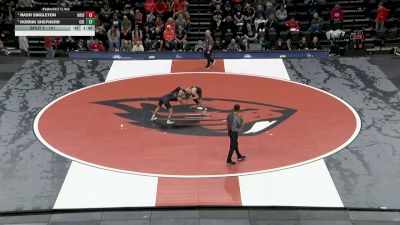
(247, 56)
(259, 117)
(120, 57)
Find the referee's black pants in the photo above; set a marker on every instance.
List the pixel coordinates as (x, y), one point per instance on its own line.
(234, 145)
(208, 57)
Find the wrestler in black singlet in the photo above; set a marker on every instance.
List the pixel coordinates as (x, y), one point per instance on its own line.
(173, 96)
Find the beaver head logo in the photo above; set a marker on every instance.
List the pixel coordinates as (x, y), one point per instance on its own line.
(258, 117)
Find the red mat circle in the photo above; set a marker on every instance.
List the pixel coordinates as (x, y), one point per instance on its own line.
(77, 128)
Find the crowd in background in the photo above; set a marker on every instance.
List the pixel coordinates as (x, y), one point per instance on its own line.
(164, 25)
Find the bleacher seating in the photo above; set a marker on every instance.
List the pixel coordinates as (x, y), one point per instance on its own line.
(358, 15)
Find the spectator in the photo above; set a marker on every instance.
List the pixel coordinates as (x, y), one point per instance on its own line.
(150, 23)
(160, 7)
(124, 35)
(199, 47)
(292, 24)
(150, 17)
(171, 23)
(70, 44)
(233, 46)
(180, 5)
(218, 12)
(126, 25)
(271, 23)
(113, 38)
(137, 34)
(248, 13)
(279, 45)
(240, 36)
(159, 23)
(181, 21)
(281, 14)
(170, 9)
(239, 18)
(259, 20)
(229, 25)
(115, 22)
(157, 38)
(186, 16)
(260, 12)
(303, 44)
(317, 24)
(337, 13)
(101, 34)
(180, 39)
(80, 46)
(334, 34)
(11, 12)
(381, 15)
(105, 9)
(217, 26)
(269, 10)
(218, 44)
(147, 37)
(169, 38)
(138, 47)
(48, 45)
(289, 45)
(315, 45)
(106, 22)
(250, 36)
(149, 6)
(95, 45)
(126, 46)
(23, 45)
(228, 10)
(128, 10)
(138, 18)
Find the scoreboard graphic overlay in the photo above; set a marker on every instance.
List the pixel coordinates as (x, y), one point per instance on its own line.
(55, 22)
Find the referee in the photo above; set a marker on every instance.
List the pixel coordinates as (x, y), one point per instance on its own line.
(208, 45)
(235, 123)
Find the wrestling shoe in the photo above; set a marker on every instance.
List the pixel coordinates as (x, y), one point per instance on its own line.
(241, 158)
(231, 163)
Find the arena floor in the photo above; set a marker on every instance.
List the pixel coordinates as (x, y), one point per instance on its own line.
(318, 133)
